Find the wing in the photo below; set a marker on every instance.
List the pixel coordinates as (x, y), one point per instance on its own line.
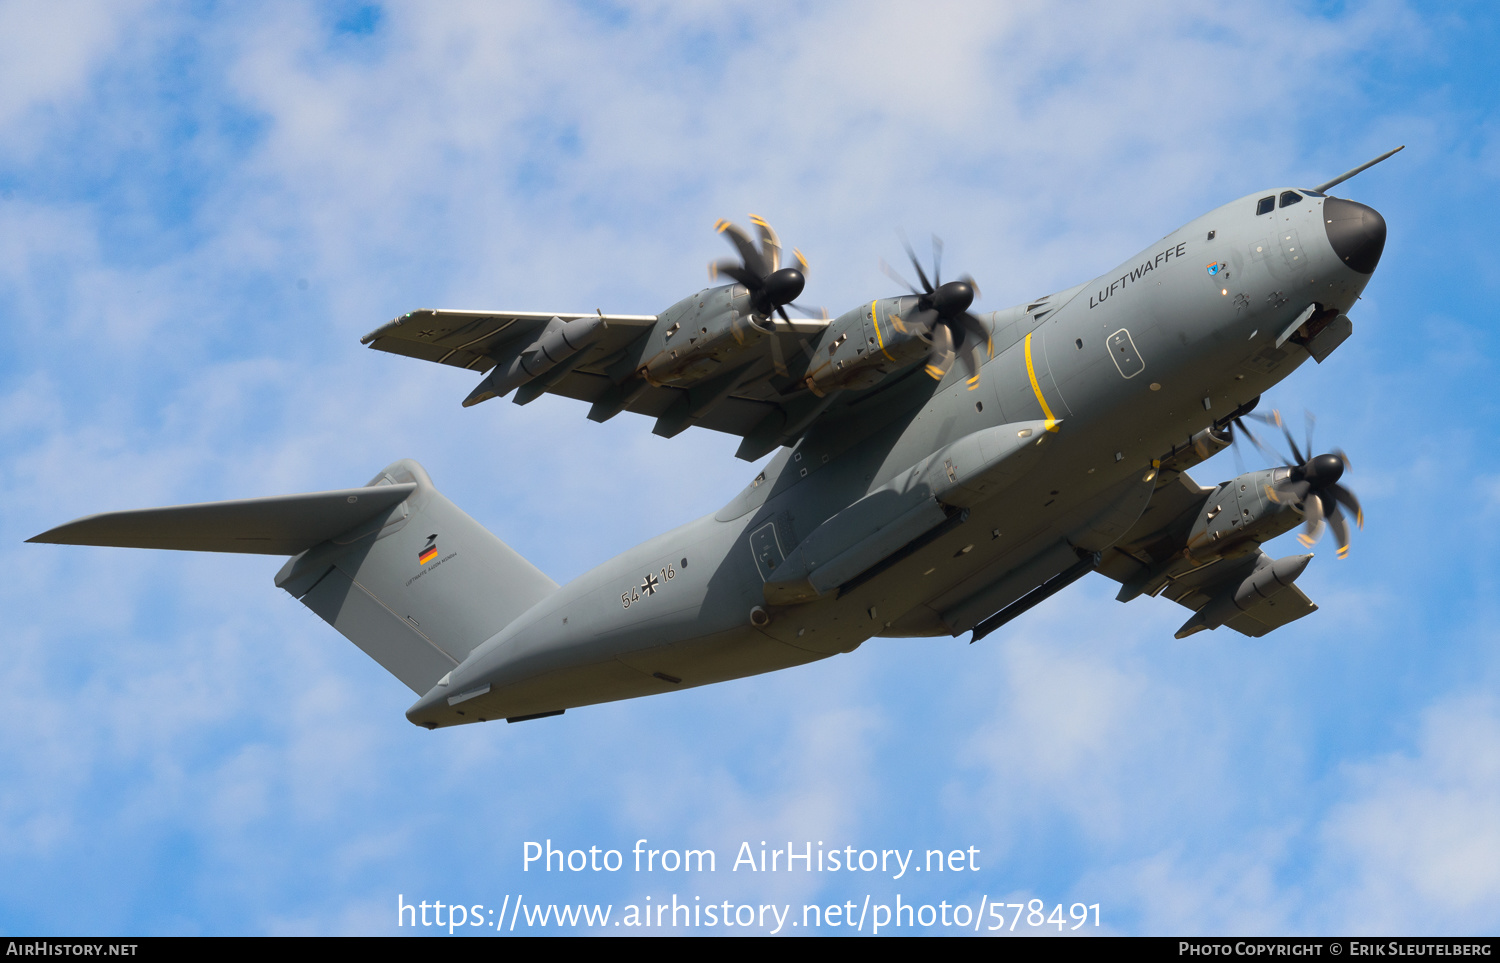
(744, 389)
(474, 339)
(1230, 583)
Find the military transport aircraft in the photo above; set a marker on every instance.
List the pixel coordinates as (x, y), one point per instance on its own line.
(939, 471)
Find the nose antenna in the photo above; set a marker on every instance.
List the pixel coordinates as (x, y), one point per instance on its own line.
(1323, 187)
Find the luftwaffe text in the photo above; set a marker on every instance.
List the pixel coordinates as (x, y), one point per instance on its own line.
(1135, 274)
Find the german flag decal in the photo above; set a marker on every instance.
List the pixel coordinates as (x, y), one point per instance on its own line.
(430, 552)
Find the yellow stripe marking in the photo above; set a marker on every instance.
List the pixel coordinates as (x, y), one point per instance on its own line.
(1031, 372)
(875, 321)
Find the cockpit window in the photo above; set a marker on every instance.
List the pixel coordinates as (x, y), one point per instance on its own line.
(1289, 198)
(1266, 205)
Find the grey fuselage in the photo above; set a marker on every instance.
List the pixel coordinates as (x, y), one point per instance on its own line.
(1125, 369)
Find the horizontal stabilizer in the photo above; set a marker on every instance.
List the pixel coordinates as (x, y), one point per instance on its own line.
(280, 525)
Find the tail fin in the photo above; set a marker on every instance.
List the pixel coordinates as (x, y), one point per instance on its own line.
(418, 589)
(394, 566)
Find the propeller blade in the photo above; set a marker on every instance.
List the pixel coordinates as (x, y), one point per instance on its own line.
(770, 244)
(937, 261)
(1239, 423)
(734, 270)
(972, 363)
(801, 261)
(778, 361)
(1346, 498)
(752, 259)
(921, 275)
(976, 333)
(1239, 460)
(890, 272)
(1298, 457)
(975, 338)
(778, 357)
(1339, 526)
(940, 357)
(1312, 511)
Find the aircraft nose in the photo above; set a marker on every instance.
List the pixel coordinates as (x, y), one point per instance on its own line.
(1356, 232)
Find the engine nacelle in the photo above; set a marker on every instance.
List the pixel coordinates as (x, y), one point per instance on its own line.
(703, 334)
(864, 345)
(1239, 515)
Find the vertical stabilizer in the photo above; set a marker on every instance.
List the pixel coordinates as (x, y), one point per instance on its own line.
(417, 588)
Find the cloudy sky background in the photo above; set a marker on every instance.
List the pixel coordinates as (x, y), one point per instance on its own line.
(203, 208)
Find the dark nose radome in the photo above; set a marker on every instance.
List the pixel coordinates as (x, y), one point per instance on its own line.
(1356, 232)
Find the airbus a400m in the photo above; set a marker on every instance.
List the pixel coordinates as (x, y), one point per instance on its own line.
(938, 471)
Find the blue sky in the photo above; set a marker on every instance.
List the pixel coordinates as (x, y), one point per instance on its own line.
(203, 207)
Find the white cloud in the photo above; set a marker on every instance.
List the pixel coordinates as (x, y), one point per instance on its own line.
(53, 49)
(1417, 838)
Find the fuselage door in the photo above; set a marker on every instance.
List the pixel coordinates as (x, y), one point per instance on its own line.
(766, 548)
(1122, 352)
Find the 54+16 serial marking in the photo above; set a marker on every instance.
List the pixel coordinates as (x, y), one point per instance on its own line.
(649, 586)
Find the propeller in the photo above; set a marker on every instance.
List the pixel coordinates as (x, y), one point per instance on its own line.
(1312, 488)
(942, 317)
(759, 269)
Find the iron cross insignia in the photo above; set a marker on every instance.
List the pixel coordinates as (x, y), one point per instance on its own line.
(648, 587)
